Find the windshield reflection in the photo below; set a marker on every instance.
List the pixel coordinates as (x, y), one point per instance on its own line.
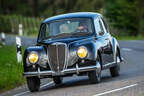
(66, 28)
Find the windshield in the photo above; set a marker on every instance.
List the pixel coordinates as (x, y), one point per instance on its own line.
(65, 28)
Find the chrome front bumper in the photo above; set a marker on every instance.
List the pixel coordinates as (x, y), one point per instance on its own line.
(66, 71)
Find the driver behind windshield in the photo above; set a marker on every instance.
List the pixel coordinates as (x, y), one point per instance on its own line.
(83, 27)
(66, 28)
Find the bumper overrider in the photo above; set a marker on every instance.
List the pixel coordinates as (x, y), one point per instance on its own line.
(76, 70)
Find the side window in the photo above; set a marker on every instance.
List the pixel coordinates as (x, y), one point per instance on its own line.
(99, 27)
(43, 29)
(104, 25)
(47, 30)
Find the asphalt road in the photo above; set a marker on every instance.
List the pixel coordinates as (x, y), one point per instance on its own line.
(26, 41)
(129, 83)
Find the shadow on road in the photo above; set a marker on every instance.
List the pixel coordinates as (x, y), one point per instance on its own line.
(79, 81)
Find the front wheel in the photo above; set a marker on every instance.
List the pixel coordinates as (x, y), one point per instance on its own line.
(115, 71)
(57, 80)
(95, 75)
(33, 83)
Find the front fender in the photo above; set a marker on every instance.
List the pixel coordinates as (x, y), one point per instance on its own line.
(115, 45)
(41, 51)
(90, 44)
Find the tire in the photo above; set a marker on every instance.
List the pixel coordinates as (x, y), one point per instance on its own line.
(33, 83)
(57, 80)
(95, 76)
(115, 71)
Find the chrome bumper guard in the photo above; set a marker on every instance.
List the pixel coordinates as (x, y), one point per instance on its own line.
(66, 71)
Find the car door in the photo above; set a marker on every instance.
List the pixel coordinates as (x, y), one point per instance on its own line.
(104, 37)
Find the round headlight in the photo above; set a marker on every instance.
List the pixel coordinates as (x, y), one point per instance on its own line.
(33, 57)
(82, 52)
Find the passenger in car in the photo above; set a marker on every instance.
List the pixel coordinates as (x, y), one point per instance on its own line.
(83, 27)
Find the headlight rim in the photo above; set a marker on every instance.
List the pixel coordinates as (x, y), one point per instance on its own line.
(33, 52)
(85, 49)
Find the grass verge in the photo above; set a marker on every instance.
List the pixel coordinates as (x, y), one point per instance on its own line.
(10, 71)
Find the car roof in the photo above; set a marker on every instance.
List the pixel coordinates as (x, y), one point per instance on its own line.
(72, 15)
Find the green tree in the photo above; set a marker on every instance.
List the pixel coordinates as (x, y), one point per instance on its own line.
(124, 15)
(20, 7)
(54, 7)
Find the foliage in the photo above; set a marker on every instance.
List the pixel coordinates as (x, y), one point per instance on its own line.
(123, 15)
(11, 72)
(10, 23)
(119, 37)
(48, 8)
(5, 25)
(11, 16)
(15, 7)
(127, 16)
(51, 7)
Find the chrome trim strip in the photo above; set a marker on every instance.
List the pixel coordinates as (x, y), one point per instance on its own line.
(66, 71)
(39, 72)
(57, 58)
(29, 74)
(77, 69)
(66, 57)
(108, 64)
(48, 59)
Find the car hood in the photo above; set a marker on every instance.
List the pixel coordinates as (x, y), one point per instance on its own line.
(64, 40)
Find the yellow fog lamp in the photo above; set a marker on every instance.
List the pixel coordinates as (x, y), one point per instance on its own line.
(33, 57)
(82, 52)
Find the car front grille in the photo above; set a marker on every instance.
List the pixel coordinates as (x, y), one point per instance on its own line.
(57, 56)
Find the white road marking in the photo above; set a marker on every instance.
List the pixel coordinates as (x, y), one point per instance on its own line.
(47, 84)
(126, 49)
(107, 92)
(22, 93)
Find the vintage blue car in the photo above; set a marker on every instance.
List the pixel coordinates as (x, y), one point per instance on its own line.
(68, 44)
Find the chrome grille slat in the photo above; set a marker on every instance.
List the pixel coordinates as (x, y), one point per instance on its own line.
(62, 49)
(53, 56)
(57, 56)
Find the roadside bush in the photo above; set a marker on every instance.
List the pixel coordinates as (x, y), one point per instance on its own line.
(10, 24)
(5, 24)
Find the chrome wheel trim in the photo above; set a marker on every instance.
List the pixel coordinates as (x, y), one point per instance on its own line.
(118, 62)
(117, 59)
(98, 71)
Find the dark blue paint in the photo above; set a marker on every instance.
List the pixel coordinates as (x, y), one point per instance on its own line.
(72, 15)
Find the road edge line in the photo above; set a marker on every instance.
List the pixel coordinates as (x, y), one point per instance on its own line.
(115, 90)
(22, 93)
